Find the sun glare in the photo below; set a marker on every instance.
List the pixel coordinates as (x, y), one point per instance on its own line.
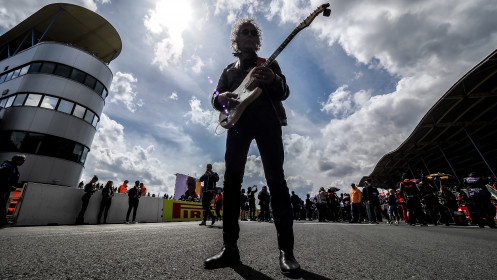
(171, 15)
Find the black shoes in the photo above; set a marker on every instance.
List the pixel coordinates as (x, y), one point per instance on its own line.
(288, 264)
(213, 221)
(228, 256)
(202, 223)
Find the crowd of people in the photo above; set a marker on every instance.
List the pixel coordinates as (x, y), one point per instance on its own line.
(415, 201)
(107, 192)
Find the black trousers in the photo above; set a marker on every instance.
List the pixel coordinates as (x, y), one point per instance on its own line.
(206, 204)
(104, 207)
(86, 201)
(3, 207)
(132, 204)
(269, 141)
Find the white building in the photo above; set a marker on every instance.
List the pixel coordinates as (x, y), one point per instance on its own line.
(54, 80)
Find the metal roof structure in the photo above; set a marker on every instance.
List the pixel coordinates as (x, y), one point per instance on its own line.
(65, 23)
(458, 135)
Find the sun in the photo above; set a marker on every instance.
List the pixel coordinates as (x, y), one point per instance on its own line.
(171, 16)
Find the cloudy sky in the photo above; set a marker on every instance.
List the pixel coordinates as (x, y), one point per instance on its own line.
(360, 82)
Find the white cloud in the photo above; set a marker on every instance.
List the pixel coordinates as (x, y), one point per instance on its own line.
(207, 118)
(167, 22)
(173, 96)
(123, 91)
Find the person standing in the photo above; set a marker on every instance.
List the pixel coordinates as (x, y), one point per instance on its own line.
(308, 207)
(264, 200)
(411, 193)
(9, 178)
(107, 194)
(133, 201)
(218, 204)
(479, 198)
(143, 190)
(355, 204)
(124, 187)
(372, 202)
(392, 204)
(209, 179)
(262, 121)
(89, 189)
(251, 200)
(321, 204)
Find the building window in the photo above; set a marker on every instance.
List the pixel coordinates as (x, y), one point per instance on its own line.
(65, 106)
(89, 116)
(16, 73)
(32, 143)
(19, 99)
(79, 111)
(90, 81)
(47, 67)
(10, 101)
(16, 139)
(42, 144)
(49, 102)
(63, 70)
(99, 88)
(2, 78)
(24, 70)
(78, 76)
(33, 100)
(95, 121)
(35, 67)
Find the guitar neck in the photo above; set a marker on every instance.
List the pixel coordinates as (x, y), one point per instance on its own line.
(281, 47)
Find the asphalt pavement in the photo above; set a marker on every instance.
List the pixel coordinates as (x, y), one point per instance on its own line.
(176, 250)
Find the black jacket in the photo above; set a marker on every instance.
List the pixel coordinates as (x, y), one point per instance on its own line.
(271, 96)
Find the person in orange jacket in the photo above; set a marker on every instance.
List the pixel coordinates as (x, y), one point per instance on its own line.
(124, 187)
(143, 189)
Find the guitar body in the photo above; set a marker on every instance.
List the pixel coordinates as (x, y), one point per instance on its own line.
(247, 93)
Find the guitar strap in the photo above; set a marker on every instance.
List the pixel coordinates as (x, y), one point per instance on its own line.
(260, 61)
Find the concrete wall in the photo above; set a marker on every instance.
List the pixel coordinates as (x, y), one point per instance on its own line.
(44, 204)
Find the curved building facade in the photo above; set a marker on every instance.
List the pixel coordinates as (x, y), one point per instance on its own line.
(53, 90)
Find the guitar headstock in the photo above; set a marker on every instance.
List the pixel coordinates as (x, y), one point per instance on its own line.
(321, 9)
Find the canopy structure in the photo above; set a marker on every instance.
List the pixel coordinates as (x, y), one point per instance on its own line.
(64, 23)
(458, 135)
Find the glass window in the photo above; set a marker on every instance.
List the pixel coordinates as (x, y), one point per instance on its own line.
(65, 106)
(49, 102)
(2, 78)
(33, 100)
(79, 111)
(47, 67)
(104, 93)
(90, 81)
(83, 156)
(16, 139)
(9, 76)
(78, 76)
(89, 116)
(20, 99)
(99, 88)
(95, 121)
(32, 143)
(77, 152)
(10, 101)
(63, 70)
(35, 67)
(3, 102)
(16, 73)
(24, 70)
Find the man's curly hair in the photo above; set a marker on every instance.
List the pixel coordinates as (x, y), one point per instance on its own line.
(236, 29)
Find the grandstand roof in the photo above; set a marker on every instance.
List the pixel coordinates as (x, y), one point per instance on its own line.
(72, 25)
(440, 142)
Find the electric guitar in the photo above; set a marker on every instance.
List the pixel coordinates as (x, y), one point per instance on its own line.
(248, 90)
